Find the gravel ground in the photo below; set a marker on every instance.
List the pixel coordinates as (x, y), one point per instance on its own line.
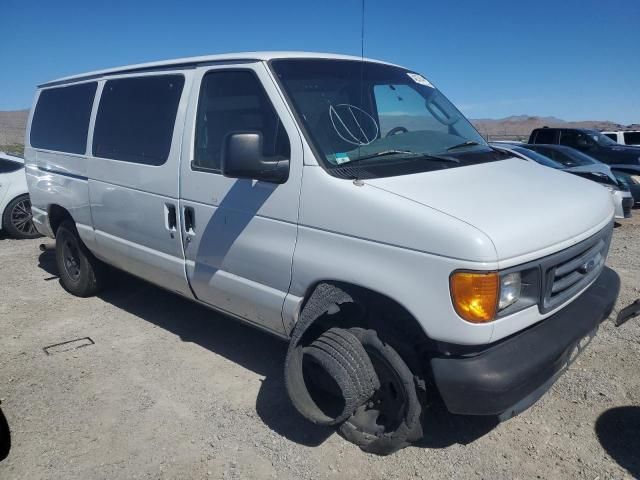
(172, 390)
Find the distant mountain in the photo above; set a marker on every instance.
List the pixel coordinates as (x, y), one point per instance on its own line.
(520, 118)
(520, 126)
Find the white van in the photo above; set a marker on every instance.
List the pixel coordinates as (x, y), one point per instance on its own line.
(626, 137)
(344, 205)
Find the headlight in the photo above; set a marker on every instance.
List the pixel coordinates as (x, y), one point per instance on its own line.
(481, 297)
(510, 287)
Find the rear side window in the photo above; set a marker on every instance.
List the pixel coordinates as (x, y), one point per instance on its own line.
(232, 102)
(612, 136)
(546, 135)
(136, 117)
(8, 166)
(61, 118)
(632, 138)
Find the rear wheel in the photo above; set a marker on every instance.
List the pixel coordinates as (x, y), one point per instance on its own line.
(391, 419)
(17, 219)
(81, 274)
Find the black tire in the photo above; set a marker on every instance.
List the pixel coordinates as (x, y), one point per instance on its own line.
(81, 274)
(5, 437)
(330, 378)
(17, 219)
(391, 420)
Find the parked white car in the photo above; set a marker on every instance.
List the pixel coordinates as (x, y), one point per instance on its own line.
(15, 207)
(626, 137)
(580, 165)
(344, 205)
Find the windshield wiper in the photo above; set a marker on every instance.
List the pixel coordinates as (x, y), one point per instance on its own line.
(438, 158)
(416, 155)
(383, 153)
(468, 143)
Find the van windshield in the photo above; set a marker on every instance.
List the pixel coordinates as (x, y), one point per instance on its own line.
(369, 114)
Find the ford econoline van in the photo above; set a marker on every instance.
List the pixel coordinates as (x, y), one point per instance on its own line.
(342, 204)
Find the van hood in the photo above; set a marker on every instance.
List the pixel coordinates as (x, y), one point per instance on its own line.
(523, 207)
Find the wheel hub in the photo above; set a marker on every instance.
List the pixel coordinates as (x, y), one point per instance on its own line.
(384, 411)
(71, 259)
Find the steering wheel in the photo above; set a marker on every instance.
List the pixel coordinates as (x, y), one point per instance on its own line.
(395, 131)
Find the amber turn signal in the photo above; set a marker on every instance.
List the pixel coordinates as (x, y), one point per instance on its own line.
(475, 295)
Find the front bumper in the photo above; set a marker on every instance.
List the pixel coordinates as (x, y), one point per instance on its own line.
(622, 202)
(509, 376)
(627, 205)
(635, 192)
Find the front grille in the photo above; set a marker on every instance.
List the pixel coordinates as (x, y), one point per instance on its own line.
(568, 272)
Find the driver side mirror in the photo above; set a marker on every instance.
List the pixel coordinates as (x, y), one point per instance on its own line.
(242, 158)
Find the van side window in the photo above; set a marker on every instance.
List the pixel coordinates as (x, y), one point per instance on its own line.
(631, 138)
(61, 118)
(612, 136)
(230, 102)
(136, 117)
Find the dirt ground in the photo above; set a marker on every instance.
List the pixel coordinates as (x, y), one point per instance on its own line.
(170, 389)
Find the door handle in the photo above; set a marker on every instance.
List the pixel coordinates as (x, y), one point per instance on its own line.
(170, 218)
(189, 220)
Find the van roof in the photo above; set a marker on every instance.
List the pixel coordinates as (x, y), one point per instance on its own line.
(205, 59)
(620, 131)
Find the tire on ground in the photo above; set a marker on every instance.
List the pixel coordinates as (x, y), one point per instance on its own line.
(338, 355)
(408, 428)
(91, 270)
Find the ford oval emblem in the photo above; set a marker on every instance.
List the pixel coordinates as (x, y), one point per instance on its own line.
(587, 266)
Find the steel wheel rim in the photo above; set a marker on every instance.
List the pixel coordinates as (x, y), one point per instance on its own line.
(384, 412)
(22, 219)
(71, 259)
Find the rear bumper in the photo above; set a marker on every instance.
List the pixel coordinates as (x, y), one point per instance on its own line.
(509, 376)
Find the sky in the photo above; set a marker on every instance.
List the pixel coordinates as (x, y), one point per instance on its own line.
(571, 59)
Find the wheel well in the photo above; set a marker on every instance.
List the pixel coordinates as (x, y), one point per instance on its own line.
(57, 215)
(374, 310)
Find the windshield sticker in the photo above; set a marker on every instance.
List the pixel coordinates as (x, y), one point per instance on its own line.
(353, 124)
(416, 77)
(341, 158)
